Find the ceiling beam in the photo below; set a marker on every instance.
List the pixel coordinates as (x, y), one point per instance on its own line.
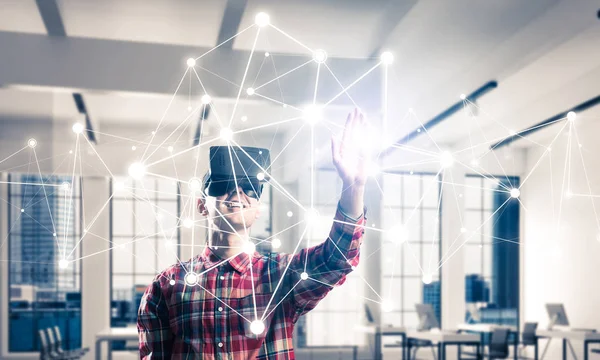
(85, 64)
(230, 24)
(50, 12)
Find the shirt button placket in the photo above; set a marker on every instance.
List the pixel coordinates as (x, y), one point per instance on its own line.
(220, 324)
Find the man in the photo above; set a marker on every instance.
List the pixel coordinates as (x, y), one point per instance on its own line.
(227, 303)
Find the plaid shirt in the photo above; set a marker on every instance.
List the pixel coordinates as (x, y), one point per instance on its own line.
(211, 320)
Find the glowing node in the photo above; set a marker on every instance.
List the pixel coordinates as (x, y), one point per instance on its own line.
(568, 194)
(463, 96)
(189, 108)
(54, 234)
(446, 159)
(191, 62)
(191, 279)
(119, 186)
(65, 186)
(170, 149)
(249, 247)
(244, 118)
(387, 58)
(571, 116)
(194, 184)
(32, 143)
(171, 282)
(70, 151)
(262, 19)
(463, 230)
(312, 114)
(515, 193)
(22, 210)
(427, 278)
(373, 169)
(257, 327)
(188, 223)
(260, 176)
(133, 148)
(319, 56)
(77, 128)
(474, 162)
(137, 171)
(419, 130)
(304, 276)
(250, 91)
(63, 264)
(122, 246)
(512, 132)
(290, 214)
(276, 243)
(168, 244)
(386, 306)
(226, 134)
(399, 233)
(267, 54)
(206, 99)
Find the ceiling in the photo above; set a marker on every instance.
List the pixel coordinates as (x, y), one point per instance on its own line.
(541, 53)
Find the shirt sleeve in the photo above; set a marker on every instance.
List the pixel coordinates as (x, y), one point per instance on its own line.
(153, 325)
(326, 264)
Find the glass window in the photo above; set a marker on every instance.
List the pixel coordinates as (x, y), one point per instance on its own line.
(44, 230)
(144, 217)
(491, 255)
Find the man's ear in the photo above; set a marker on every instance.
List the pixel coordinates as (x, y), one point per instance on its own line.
(201, 206)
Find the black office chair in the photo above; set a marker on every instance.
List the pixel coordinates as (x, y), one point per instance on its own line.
(416, 344)
(55, 342)
(528, 337)
(498, 348)
(46, 351)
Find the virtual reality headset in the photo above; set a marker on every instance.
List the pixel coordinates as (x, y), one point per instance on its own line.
(243, 166)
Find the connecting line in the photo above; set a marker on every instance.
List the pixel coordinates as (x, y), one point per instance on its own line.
(213, 108)
(414, 150)
(475, 187)
(164, 114)
(237, 100)
(224, 303)
(280, 301)
(182, 152)
(187, 118)
(352, 84)
(487, 177)
(284, 272)
(45, 194)
(340, 84)
(32, 184)
(291, 38)
(221, 44)
(464, 242)
(426, 131)
(587, 179)
(268, 125)
(284, 74)
(285, 147)
(272, 179)
(541, 157)
(89, 226)
(9, 156)
(98, 155)
(277, 101)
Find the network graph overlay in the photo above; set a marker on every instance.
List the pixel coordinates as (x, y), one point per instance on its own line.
(311, 115)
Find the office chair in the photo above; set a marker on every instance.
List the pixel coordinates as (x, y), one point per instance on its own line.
(55, 342)
(498, 348)
(417, 344)
(46, 351)
(528, 337)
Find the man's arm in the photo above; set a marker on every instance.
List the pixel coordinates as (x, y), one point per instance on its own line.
(328, 263)
(153, 325)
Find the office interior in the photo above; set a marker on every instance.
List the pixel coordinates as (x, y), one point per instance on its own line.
(482, 232)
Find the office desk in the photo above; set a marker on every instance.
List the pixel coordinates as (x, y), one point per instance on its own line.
(585, 336)
(114, 334)
(483, 329)
(445, 338)
(382, 331)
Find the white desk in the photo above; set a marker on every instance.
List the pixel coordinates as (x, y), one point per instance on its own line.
(114, 334)
(382, 331)
(445, 338)
(586, 336)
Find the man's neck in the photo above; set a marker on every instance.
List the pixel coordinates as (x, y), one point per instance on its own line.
(224, 244)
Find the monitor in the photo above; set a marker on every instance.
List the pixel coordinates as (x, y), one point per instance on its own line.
(557, 315)
(427, 318)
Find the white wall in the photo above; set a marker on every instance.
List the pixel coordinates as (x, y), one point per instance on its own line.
(561, 248)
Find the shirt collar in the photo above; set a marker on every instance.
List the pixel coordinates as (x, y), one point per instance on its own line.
(239, 262)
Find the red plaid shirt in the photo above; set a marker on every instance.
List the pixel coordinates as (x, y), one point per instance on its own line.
(211, 320)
